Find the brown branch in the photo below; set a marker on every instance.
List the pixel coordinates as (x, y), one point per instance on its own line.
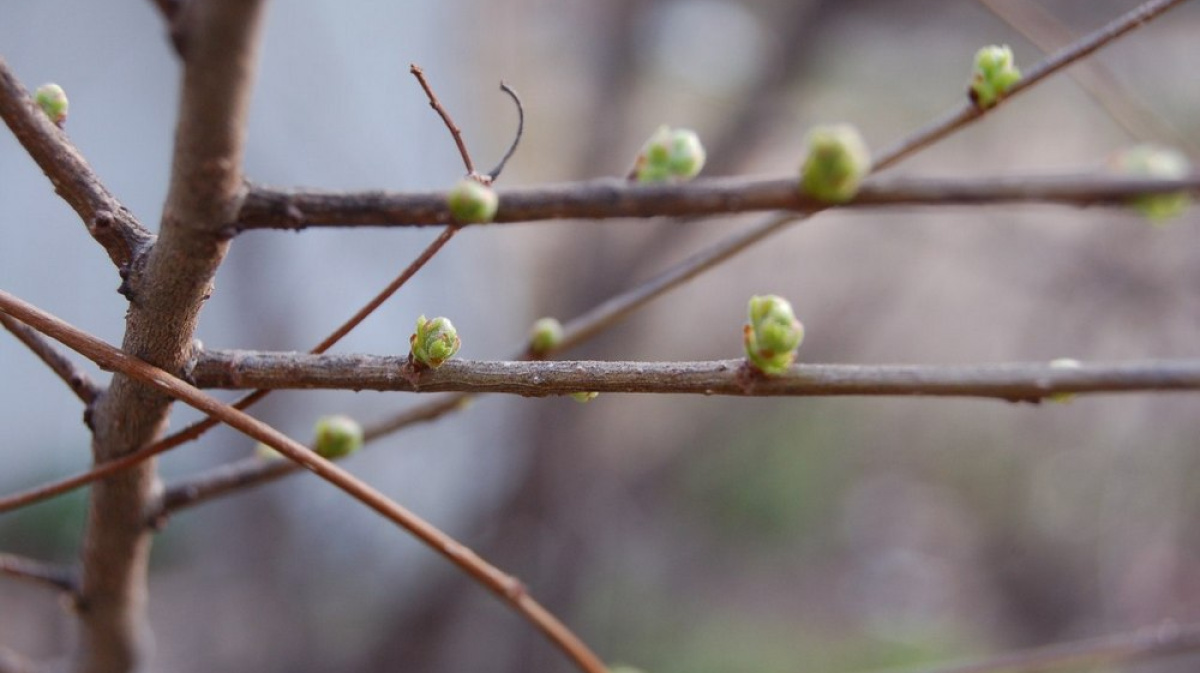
(62, 578)
(493, 174)
(1014, 382)
(436, 104)
(266, 208)
(967, 112)
(505, 587)
(1147, 644)
(172, 12)
(109, 222)
(78, 380)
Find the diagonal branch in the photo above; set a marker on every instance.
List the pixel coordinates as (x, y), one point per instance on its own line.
(109, 222)
(81, 384)
(62, 578)
(266, 208)
(505, 587)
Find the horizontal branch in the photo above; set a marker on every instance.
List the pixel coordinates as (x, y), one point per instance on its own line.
(78, 380)
(110, 223)
(266, 208)
(62, 578)
(1015, 382)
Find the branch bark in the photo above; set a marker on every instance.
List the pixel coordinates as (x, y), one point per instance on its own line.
(62, 578)
(266, 208)
(167, 287)
(109, 222)
(80, 383)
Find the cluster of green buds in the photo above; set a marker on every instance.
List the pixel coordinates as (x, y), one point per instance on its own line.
(472, 202)
(670, 155)
(337, 436)
(835, 163)
(1152, 161)
(773, 334)
(434, 342)
(53, 101)
(545, 335)
(994, 74)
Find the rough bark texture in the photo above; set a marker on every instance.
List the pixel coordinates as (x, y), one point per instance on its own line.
(167, 289)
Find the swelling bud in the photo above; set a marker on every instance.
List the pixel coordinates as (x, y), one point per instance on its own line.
(434, 342)
(1152, 161)
(994, 74)
(472, 202)
(53, 101)
(773, 334)
(336, 436)
(836, 162)
(670, 155)
(545, 336)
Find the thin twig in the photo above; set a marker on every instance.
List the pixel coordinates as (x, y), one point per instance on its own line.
(446, 119)
(1147, 644)
(60, 577)
(504, 586)
(1009, 381)
(512, 149)
(109, 222)
(968, 112)
(77, 379)
(266, 208)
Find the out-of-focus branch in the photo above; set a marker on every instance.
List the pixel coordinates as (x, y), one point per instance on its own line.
(604, 199)
(507, 588)
(1013, 382)
(109, 222)
(11, 662)
(62, 578)
(1147, 644)
(81, 384)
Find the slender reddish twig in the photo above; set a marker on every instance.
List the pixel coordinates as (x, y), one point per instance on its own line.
(62, 578)
(504, 586)
(77, 379)
(436, 104)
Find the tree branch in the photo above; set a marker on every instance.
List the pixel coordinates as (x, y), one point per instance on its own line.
(1147, 644)
(62, 578)
(266, 208)
(78, 380)
(11, 662)
(507, 588)
(109, 222)
(1014, 382)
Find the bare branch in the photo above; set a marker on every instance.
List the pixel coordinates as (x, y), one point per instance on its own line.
(172, 11)
(505, 587)
(493, 174)
(266, 208)
(109, 222)
(1014, 382)
(62, 578)
(1147, 644)
(968, 112)
(78, 380)
(436, 104)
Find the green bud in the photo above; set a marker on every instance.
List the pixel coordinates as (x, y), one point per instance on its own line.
(53, 101)
(836, 162)
(434, 342)
(994, 74)
(1151, 161)
(584, 398)
(670, 155)
(336, 436)
(773, 335)
(546, 335)
(1063, 363)
(472, 202)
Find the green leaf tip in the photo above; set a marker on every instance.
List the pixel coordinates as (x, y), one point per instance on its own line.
(53, 101)
(337, 436)
(670, 155)
(772, 335)
(994, 74)
(472, 202)
(835, 163)
(434, 342)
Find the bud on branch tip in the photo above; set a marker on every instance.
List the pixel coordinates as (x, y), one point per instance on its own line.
(53, 101)
(434, 342)
(670, 155)
(994, 74)
(835, 163)
(773, 334)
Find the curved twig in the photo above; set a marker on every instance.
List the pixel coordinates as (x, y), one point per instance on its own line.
(512, 149)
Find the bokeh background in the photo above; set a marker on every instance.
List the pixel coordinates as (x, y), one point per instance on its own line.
(676, 534)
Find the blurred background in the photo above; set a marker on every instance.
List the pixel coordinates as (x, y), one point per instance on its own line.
(673, 533)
